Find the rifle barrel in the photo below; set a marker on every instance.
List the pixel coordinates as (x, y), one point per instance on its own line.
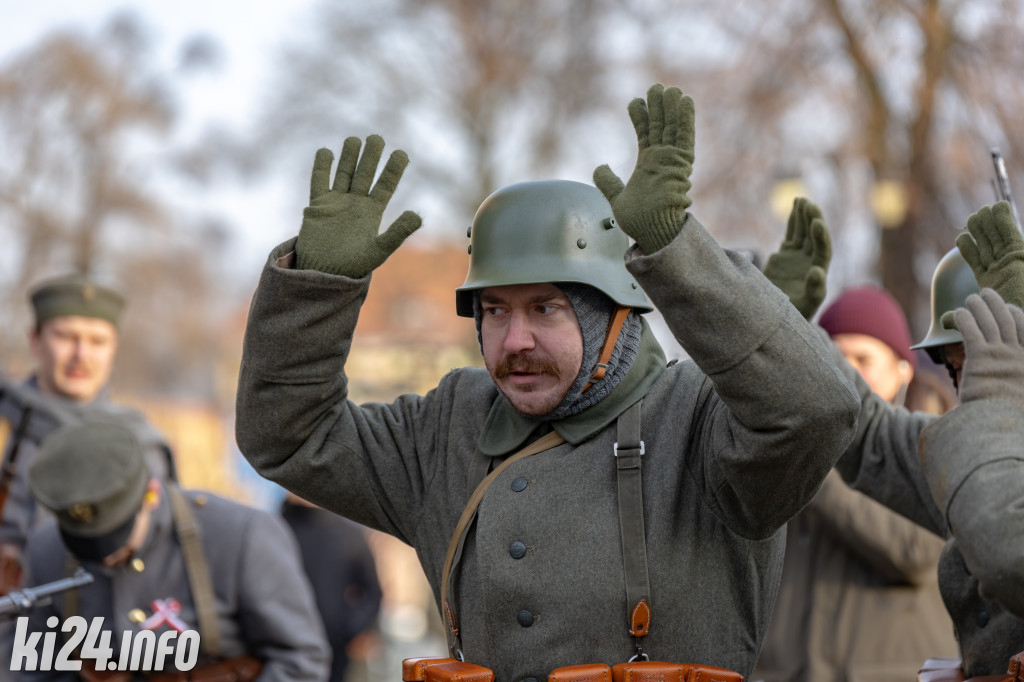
(23, 601)
(1003, 184)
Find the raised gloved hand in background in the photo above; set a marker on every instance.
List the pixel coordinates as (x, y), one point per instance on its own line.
(800, 265)
(340, 227)
(994, 248)
(651, 206)
(993, 334)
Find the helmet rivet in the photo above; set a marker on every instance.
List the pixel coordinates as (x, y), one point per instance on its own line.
(609, 223)
(469, 249)
(582, 243)
(633, 284)
(469, 232)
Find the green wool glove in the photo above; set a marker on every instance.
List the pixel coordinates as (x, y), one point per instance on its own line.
(339, 233)
(651, 207)
(800, 265)
(994, 248)
(993, 334)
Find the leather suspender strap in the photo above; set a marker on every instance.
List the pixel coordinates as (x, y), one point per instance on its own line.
(456, 544)
(629, 451)
(198, 571)
(614, 328)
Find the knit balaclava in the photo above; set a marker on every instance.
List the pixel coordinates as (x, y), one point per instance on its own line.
(594, 312)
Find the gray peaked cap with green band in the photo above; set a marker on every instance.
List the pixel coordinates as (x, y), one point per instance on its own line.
(952, 282)
(548, 231)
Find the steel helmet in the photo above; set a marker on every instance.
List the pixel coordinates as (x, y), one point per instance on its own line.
(548, 231)
(952, 283)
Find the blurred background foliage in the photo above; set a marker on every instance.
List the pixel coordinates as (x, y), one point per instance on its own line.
(881, 111)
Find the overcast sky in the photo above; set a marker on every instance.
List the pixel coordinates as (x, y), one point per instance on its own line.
(248, 32)
(249, 35)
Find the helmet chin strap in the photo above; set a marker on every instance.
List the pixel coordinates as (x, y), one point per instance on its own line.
(614, 327)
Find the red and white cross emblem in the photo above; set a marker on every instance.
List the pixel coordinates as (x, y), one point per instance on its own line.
(164, 611)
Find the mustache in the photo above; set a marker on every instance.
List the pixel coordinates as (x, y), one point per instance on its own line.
(521, 362)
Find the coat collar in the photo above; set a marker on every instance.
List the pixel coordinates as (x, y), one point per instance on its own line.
(506, 430)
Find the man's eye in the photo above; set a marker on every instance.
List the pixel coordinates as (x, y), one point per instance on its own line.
(546, 309)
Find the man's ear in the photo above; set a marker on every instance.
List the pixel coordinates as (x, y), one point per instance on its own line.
(905, 372)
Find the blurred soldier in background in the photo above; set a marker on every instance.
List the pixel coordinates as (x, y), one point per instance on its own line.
(859, 596)
(341, 569)
(976, 456)
(162, 559)
(74, 341)
(869, 329)
(921, 477)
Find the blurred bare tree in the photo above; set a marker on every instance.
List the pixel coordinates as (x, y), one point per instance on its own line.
(85, 127)
(885, 109)
(479, 93)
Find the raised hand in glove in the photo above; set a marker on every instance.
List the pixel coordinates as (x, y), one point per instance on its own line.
(339, 233)
(800, 265)
(651, 206)
(994, 248)
(993, 334)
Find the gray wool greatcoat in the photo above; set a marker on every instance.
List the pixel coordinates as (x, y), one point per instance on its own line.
(960, 476)
(737, 442)
(265, 605)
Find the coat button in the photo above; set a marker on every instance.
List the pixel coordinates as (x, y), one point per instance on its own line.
(517, 550)
(138, 565)
(519, 485)
(982, 619)
(136, 616)
(525, 618)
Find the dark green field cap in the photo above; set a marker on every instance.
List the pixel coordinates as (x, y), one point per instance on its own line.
(92, 476)
(75, 295)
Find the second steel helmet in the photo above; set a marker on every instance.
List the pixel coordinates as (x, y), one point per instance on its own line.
(952, 283)
(548, 231)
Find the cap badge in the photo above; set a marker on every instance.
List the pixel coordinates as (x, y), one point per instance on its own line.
(83, 513)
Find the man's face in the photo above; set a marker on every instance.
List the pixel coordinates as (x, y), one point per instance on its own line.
(74, 355)
(876, 363)
(954, 360)
(532, 344)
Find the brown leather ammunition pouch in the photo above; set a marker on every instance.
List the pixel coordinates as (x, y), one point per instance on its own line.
(444, 670)
(239, 669)
(660, 671)
(643, 671)
(586, 672)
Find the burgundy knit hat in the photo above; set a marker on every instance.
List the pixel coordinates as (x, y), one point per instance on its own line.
(873, 312)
